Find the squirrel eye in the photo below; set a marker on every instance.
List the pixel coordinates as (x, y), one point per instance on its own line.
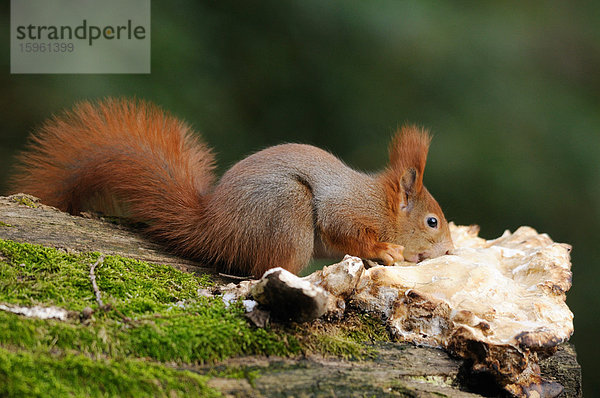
(432, 222)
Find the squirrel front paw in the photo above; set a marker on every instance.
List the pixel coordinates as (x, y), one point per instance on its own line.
(390, 253)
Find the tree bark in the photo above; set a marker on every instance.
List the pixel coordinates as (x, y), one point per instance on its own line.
(396, 370)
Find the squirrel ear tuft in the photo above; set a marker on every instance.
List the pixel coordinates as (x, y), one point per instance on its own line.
(403, 178)
(408, 155)
(409, 181)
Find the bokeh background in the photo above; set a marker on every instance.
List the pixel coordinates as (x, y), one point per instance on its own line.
(510, 90)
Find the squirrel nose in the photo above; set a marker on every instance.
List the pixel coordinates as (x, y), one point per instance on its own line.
(450, 247)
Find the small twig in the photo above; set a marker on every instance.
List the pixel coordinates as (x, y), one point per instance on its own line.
(240, 278)
(97, 291)
(93, 279)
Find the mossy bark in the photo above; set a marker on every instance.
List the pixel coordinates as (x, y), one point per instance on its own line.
(24, 219)
(159, 323)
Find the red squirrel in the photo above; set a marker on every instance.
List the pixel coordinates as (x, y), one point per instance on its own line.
(278, 207)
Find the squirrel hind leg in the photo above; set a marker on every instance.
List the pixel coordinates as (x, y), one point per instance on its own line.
(294, 234)
(291, 251)
(291, 244)
(259, 236)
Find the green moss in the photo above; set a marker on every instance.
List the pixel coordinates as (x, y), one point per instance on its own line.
(347, 338)
(210, 333)
(364, 327)
(41, 374)
(168, 319)
(32, 274)
(339, 345)
(154, 312)
(3, 224)
(192, 338)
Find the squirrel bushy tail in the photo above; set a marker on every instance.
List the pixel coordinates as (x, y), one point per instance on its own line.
(127, 149)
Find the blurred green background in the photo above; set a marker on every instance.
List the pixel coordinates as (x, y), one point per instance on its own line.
(511, 92)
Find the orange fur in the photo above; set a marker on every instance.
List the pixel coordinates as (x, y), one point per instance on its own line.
(133, 150)
(277, 207)
(409, 148)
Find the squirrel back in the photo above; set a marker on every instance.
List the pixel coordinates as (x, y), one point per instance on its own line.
(277, 207)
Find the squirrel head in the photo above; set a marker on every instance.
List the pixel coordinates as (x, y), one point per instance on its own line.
(418, 222)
